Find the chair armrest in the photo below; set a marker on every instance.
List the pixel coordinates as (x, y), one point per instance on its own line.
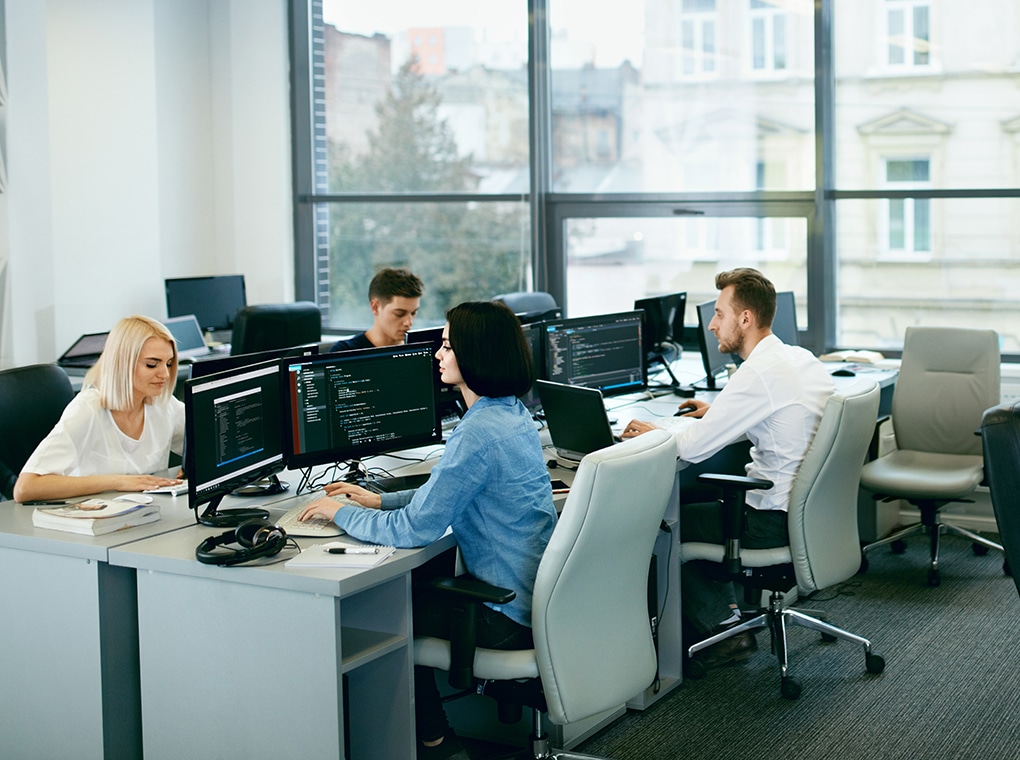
(464, 595)
(734, 489)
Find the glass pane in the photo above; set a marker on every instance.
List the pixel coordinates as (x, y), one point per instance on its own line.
(613, 262)
(429, 97)
(461, 251)
(953, 97)
(896, 37)
(969, 276)
(683, 109)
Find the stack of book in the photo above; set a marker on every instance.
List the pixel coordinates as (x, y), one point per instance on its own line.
(94, 517)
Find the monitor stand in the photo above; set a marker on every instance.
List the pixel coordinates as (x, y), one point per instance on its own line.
(264, 487)
(228, 518)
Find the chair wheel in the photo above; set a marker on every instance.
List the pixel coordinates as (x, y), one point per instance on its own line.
(828, 638)
(874, 662)
(695, 669)
(790, 688)
(979, 550)
(934, 579)
(898, 546)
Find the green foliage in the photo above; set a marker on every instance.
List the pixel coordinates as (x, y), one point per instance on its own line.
(461, 250)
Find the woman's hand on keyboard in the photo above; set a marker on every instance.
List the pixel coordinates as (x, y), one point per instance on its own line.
(326, 508)
(355, 493)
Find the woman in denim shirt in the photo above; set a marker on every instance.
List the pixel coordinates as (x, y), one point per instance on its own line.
(491, 487)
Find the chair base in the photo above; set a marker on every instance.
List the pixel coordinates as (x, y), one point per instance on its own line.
(931, 523)
(776, 618)
(539, 749)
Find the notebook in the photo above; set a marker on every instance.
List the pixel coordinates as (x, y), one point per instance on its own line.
(188, 336)
(84, 352)
(576, 417)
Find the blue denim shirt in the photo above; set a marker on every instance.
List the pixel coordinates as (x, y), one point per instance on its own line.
(491, 486)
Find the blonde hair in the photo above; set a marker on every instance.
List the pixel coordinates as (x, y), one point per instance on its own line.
(113, 374)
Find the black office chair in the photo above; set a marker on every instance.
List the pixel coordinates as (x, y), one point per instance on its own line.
(264, 327)
(1000, 432)
(531, 306)
(31, 401)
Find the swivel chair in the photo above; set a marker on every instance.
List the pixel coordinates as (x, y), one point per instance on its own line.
(531, 306)
(1000, 432)
(264, 327)
(948, 377)
(31, 401)
(824, 544)
(593, 640)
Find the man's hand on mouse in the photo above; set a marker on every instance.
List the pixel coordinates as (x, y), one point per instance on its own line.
(692, 408)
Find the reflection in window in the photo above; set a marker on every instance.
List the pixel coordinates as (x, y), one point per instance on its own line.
(908, 40)
(697, 36)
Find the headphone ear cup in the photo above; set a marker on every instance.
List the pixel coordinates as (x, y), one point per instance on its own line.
(251, 532)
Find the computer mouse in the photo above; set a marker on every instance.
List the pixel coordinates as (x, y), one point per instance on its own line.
(844, 373)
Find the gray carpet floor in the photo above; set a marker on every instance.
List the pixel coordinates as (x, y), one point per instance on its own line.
(951, 686)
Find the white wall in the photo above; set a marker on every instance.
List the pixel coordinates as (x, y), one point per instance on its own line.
(146, 139)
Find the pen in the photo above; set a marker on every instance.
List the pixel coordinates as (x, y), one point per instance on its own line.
(353, 550)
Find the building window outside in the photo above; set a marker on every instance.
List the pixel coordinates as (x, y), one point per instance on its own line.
(908, 33)
(768, 37)
(698, 37)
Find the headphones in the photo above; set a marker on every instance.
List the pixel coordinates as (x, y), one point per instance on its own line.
(257, 538)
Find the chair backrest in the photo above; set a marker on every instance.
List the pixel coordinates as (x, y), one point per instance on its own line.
(533, 303)
(593, 641)
(1000, 430)
(263, 327)
(948, 377)
(31, 402)
(824, 540)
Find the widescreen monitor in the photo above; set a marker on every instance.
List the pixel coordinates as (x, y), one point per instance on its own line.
(784, 324)
(605, 351)
(354, 404)
(712, 358)
(534, 334)
(224, 362)
(234, 435)
(663, 329)
(213, 300)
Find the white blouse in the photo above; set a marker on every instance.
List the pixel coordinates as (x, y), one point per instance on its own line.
(87, 441)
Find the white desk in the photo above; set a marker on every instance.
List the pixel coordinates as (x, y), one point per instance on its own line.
(264, 661)
(69, 639)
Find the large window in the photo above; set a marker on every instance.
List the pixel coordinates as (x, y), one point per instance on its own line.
(864, 153)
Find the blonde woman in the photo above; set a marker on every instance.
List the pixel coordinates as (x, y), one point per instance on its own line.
(120, 428)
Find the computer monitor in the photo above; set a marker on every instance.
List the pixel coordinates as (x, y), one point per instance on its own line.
(449, 402)
(234, 435)
(784, 324)
(664, 326)
(354, 404)
(604, 351)
(712, 358)
(224, 362)
(534, 333)
(213, 300)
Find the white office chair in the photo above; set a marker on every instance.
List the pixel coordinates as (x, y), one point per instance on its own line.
(824, 544)
(948, 377)
(593, 641)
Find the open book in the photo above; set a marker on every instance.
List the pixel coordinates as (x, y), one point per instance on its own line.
(94, 517)
(859, 356)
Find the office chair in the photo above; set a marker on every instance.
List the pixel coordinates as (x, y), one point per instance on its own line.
(948, 377)
(31, 401)
(281, 325)
(531, 306)
(824, 544)
(590, 620)
(1000, 433)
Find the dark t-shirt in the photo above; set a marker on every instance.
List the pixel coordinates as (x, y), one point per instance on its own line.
(349, 344)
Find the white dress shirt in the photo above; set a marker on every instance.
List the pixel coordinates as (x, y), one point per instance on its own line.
(87, 441)
(775, 399)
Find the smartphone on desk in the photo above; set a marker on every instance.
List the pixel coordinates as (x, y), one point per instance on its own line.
(559, 487)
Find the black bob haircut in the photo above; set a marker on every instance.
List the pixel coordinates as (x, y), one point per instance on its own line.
(492, 352)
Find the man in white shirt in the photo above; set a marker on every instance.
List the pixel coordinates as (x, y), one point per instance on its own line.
(775, 399)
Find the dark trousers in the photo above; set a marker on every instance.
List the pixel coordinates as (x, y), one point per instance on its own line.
(705, 599)
(432, 618)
